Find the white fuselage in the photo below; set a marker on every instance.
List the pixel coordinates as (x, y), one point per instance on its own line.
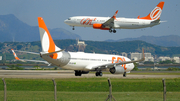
(90, 61)
(119, 23)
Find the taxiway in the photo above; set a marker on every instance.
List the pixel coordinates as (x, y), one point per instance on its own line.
(70, 74)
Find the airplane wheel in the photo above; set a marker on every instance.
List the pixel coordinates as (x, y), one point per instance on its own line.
(96, 73)
(124, 75)
(73, 28)
(78, 73)
(99, 73)
(114, 31)
(110, 30)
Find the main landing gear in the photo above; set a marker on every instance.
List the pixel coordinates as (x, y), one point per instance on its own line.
(78, 73)
(110, 30)
(99, 73)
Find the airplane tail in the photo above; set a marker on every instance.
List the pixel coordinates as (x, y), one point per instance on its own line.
(47, 43)
(155, 13)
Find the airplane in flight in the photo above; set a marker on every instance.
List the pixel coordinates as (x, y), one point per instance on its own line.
(112, 23)
(80, 62)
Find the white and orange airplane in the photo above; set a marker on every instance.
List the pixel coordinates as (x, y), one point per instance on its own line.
(112, 23)
(80, 62)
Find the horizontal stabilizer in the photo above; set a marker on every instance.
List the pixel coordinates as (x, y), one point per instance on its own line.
(26, 60)
(27, 52)
(53, 52)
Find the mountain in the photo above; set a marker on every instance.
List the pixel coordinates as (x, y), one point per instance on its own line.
(11, 28)
(166, 41)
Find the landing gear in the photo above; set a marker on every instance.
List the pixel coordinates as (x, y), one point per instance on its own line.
(78, 73)
(124, 75)
(110, 30)
(99, 73)
(73, 28)
(114, 31)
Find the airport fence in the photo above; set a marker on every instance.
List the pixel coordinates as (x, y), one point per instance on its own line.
(88, 89)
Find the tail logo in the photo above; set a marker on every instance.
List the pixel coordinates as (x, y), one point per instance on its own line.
(156, 13)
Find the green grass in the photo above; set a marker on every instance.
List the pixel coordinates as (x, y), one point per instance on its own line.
(87, 96)
(91, 85)
(90, 89)
(151, 73)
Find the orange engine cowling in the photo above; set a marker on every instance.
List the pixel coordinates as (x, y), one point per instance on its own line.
(99, 26)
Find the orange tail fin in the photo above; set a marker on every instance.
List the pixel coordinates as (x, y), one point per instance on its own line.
(47, 42)
(155, 13)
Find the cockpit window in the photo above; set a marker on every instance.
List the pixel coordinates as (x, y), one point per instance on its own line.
(69, 18)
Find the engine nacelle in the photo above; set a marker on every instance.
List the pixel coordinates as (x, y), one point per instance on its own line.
(117, 70)
(99, 26)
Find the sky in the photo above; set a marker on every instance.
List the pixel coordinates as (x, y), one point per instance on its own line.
(54, 12)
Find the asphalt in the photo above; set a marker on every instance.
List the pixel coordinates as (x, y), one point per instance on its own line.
(70, 74)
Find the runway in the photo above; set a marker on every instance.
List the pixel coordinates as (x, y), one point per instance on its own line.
(70, 74)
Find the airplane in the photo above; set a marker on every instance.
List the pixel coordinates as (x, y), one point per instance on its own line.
(112, 23)
(81, 62)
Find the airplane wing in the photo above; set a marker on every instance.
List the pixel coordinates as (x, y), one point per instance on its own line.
(110, 22)
(53, 52)
(110, 65)
(26, 60)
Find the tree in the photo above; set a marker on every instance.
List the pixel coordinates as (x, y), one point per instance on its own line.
(135, 67)
(167, 62)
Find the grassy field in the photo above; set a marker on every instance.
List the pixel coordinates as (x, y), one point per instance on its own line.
(87, 96)
(90, 89)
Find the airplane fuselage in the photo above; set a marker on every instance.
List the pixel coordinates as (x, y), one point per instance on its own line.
(119, 23)
(87, 61)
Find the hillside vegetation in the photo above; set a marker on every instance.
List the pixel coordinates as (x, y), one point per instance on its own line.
(92, 46)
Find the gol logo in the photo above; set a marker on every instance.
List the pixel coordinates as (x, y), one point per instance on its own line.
(156, 13)
(87, 21)
(119, 58)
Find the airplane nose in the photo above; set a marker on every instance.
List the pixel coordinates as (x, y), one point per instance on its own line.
(132, 66)
(65, 21)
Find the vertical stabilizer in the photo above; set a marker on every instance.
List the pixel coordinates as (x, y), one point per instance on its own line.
(155, 13)
(47, 42)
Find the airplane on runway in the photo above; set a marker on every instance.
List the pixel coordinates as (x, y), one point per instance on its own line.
(107, 23)
(81, 62)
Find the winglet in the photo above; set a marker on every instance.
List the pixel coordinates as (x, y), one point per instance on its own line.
(114, 16)
(155, 13)
(15, 56)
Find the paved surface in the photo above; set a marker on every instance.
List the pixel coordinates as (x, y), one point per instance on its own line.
(69, 74)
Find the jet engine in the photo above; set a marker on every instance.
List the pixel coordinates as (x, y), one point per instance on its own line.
(99, 26)
(117, 70)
